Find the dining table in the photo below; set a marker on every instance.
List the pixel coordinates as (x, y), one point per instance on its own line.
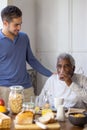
(64, 125)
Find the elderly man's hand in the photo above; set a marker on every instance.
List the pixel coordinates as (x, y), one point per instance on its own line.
(66, 77)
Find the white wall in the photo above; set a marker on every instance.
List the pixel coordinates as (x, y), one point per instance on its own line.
(79, 33)
(2, 4)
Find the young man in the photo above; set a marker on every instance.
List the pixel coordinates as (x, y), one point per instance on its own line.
(66, 84)
(15, 50)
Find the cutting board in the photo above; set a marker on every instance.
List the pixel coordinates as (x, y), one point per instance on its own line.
(52, 126)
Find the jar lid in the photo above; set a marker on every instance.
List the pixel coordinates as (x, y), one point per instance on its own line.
(16, 87)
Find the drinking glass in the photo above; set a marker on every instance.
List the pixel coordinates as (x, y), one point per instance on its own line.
(37, 101)
(32, 102)
(46, 97)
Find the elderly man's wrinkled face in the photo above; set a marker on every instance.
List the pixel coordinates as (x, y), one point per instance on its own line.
(64, 69)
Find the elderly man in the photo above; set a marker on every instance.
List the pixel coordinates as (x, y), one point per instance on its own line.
(66, 84)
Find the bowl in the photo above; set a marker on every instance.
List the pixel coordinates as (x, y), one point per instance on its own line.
(78, 119)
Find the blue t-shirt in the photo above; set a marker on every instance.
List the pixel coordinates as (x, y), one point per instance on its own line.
(13, 57)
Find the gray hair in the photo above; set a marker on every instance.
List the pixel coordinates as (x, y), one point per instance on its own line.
(66, 56)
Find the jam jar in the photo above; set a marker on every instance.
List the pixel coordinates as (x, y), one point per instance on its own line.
(16, 97)
(27, 106)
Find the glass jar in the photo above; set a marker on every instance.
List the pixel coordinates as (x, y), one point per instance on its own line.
(16, 97)
(28, 106)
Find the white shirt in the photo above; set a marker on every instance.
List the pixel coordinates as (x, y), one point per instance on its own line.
(74, 95)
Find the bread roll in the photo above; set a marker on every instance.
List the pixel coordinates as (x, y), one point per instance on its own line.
(24, 118)
(5, 121)
(47, 118)
(44, 119)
